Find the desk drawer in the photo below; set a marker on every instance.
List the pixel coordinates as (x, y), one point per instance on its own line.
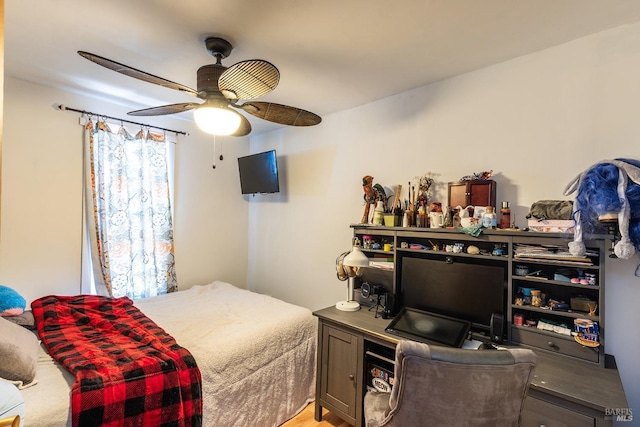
(538, 413)
(558, 344)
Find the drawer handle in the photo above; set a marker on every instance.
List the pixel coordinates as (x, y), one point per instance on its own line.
(351, 377)
(551, 344)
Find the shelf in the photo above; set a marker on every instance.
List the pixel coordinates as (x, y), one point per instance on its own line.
(503, 258)
(554, 282)
(556, 263)
(381, 268)
(375, 231)
(543, 332)
(378, 251)
(561, 313)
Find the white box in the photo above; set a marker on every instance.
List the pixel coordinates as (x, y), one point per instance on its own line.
(552, 225)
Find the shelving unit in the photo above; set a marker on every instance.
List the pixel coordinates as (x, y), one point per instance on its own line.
(405, 240)
(559, 290)
(384, 277)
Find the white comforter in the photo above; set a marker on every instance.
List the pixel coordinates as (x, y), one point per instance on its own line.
(256, 355)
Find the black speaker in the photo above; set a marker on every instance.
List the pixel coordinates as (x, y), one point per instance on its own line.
(388, 308)
(365, 289)
(369, 290)
(496, 328)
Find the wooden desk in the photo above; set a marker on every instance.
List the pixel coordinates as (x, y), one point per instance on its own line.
(564, 391)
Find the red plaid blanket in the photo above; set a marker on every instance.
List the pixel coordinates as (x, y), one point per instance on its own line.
(129, 371)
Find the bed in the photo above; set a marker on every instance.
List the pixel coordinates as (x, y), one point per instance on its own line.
(256, 355)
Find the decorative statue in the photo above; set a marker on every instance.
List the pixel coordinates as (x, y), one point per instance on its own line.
(424, 188)
(372, 195)
(381, 196)
(478, 175)
(369, 197)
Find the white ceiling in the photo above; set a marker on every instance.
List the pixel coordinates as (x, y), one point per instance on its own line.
(332, 54)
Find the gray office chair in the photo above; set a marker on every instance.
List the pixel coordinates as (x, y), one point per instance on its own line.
(441, 386)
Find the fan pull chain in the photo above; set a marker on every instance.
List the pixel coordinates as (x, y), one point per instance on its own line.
(214, 153)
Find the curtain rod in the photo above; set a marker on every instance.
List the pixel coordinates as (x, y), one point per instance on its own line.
(63, 107)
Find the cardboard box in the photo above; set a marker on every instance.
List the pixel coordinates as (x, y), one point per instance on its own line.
(552, 225)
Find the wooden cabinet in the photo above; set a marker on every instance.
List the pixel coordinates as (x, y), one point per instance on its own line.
(573, 386)
(477, 192)
(538, 413)
(339, 380)
(564, 391)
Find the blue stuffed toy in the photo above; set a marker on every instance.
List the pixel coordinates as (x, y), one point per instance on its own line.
(11, 302)
(608, 190)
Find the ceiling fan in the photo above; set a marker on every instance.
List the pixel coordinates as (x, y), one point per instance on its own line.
(221, 87)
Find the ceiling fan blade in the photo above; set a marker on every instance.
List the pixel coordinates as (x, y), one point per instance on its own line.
(249, 79)
(164, 109)
(282, 114)
(244, 128)
(135, 73)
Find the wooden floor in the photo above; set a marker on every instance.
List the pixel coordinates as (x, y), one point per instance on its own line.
(305, 419)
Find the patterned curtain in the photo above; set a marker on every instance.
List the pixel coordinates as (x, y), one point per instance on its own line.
(129, 212)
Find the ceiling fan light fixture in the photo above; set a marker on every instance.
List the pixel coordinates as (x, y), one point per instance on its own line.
(216, 119)
(221, 87)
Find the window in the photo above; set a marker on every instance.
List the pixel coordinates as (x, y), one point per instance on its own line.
(127, 232)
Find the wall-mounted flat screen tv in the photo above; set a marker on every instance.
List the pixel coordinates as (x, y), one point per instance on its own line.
(259, 173)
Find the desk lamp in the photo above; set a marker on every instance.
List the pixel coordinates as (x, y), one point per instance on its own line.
(349, 266)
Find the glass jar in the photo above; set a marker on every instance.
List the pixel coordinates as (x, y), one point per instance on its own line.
(489, 218)
(536, 299)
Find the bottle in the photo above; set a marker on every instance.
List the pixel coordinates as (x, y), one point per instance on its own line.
(505, 216)
(378, 213)
(489, 218)
(421, 219)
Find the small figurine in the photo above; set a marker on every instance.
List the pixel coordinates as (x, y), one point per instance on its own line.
(381, 196)
(478, 175)
(424, 187)
(369, 197)
(519, 297)
(372, 195)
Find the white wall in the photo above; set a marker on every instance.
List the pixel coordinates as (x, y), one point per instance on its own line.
(536, 121)
(40, 240)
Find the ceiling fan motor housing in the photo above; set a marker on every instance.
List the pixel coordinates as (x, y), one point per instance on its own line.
(208, 76)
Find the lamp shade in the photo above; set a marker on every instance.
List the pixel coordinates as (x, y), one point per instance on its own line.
(353, 261)
(356, 258)
(216, 119)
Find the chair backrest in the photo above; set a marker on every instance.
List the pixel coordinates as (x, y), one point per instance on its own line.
(450, 386)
